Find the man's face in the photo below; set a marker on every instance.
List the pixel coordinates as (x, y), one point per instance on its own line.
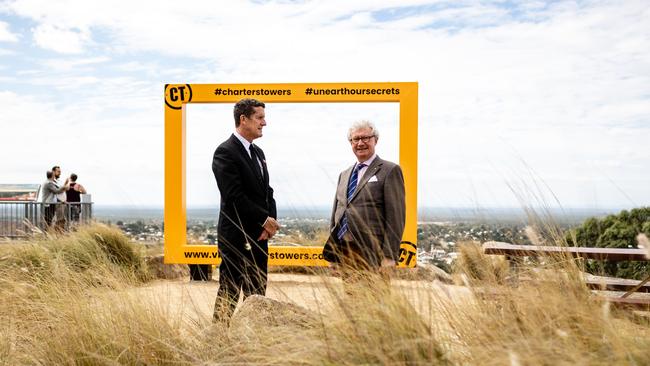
(363, 143)
(57, 173)
(251, 127)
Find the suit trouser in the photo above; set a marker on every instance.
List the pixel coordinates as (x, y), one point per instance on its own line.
(61, 216)
(240, 270)
(356, 270)
(75, 212)
(50, 210)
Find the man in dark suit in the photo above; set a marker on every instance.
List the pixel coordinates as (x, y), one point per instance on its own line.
(368, 216)
(247, 217)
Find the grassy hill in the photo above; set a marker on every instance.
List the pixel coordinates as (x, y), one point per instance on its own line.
(70, 300)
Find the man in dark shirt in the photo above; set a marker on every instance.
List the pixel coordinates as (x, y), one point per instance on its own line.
(73, 197)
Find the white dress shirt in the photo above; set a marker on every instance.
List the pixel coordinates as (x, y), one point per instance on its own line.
(61, 197)
(362, 171)
(247, 146)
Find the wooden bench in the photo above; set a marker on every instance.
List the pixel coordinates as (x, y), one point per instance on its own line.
(615, 284)
(593, 282)
(610, 254)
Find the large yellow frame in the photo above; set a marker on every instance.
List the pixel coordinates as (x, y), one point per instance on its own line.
(177, 96)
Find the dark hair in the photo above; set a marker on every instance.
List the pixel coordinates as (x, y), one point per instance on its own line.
(55, 168)
(73, 177)
(49, 174)
(246, 107)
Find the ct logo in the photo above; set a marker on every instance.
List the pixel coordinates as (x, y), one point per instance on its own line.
(407, 254)
(176, 95)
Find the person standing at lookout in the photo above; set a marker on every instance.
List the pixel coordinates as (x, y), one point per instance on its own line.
(61, 217)
(247, 216)
(52, 191)
(73, 197)
(369, 212)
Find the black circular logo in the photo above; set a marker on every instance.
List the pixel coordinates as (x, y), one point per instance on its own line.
(407, 254)
(176, 95)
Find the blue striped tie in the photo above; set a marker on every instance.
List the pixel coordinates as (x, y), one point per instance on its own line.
(352, 186)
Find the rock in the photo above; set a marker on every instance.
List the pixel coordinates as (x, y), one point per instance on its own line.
(159, 269)
(436, 273)
(423, 272)
(257, 315)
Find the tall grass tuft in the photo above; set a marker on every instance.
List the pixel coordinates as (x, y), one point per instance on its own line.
(374, 324)
(475, 267)
(96, 252)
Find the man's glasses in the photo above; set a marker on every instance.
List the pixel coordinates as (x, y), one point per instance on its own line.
(355, 140)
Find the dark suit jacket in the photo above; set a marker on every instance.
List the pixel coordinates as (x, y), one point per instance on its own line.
(246, 197)
(376, 213)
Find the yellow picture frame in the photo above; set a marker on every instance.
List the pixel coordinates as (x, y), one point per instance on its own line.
(177, 96)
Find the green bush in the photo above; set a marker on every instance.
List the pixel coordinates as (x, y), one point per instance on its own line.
(614, 231)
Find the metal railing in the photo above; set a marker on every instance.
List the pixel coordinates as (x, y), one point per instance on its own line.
(19, 219)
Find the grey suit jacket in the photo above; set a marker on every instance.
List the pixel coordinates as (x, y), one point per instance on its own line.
(376, 213)
(50, 191)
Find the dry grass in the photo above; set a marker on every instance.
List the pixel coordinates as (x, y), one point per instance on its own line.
(546, 315)
(476, 268)
(69, 300)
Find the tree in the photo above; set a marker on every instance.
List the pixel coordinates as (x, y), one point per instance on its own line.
(614, 231)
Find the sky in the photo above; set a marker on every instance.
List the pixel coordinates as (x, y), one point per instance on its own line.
(520, 103)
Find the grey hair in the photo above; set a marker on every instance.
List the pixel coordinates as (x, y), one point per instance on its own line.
(363, 124)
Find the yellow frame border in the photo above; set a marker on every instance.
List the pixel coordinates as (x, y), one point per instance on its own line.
(178, 95)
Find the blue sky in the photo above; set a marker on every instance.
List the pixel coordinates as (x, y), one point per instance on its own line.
(520, 102)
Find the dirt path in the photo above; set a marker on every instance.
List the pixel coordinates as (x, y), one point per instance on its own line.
(195, 300)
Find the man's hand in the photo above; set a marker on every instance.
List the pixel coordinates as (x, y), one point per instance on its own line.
(271, 226)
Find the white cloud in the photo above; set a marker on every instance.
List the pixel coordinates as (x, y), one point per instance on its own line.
(60, 39)
(67, 64)
(5, 34)
(563, 89)
(88, 139)
(4, 52)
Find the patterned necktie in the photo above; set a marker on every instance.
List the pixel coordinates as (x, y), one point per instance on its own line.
(352, 186)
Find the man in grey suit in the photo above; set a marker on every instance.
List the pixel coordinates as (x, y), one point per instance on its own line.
(368, 216)
(52, 189)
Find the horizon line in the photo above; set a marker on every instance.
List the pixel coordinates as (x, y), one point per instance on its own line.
(328, 207)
